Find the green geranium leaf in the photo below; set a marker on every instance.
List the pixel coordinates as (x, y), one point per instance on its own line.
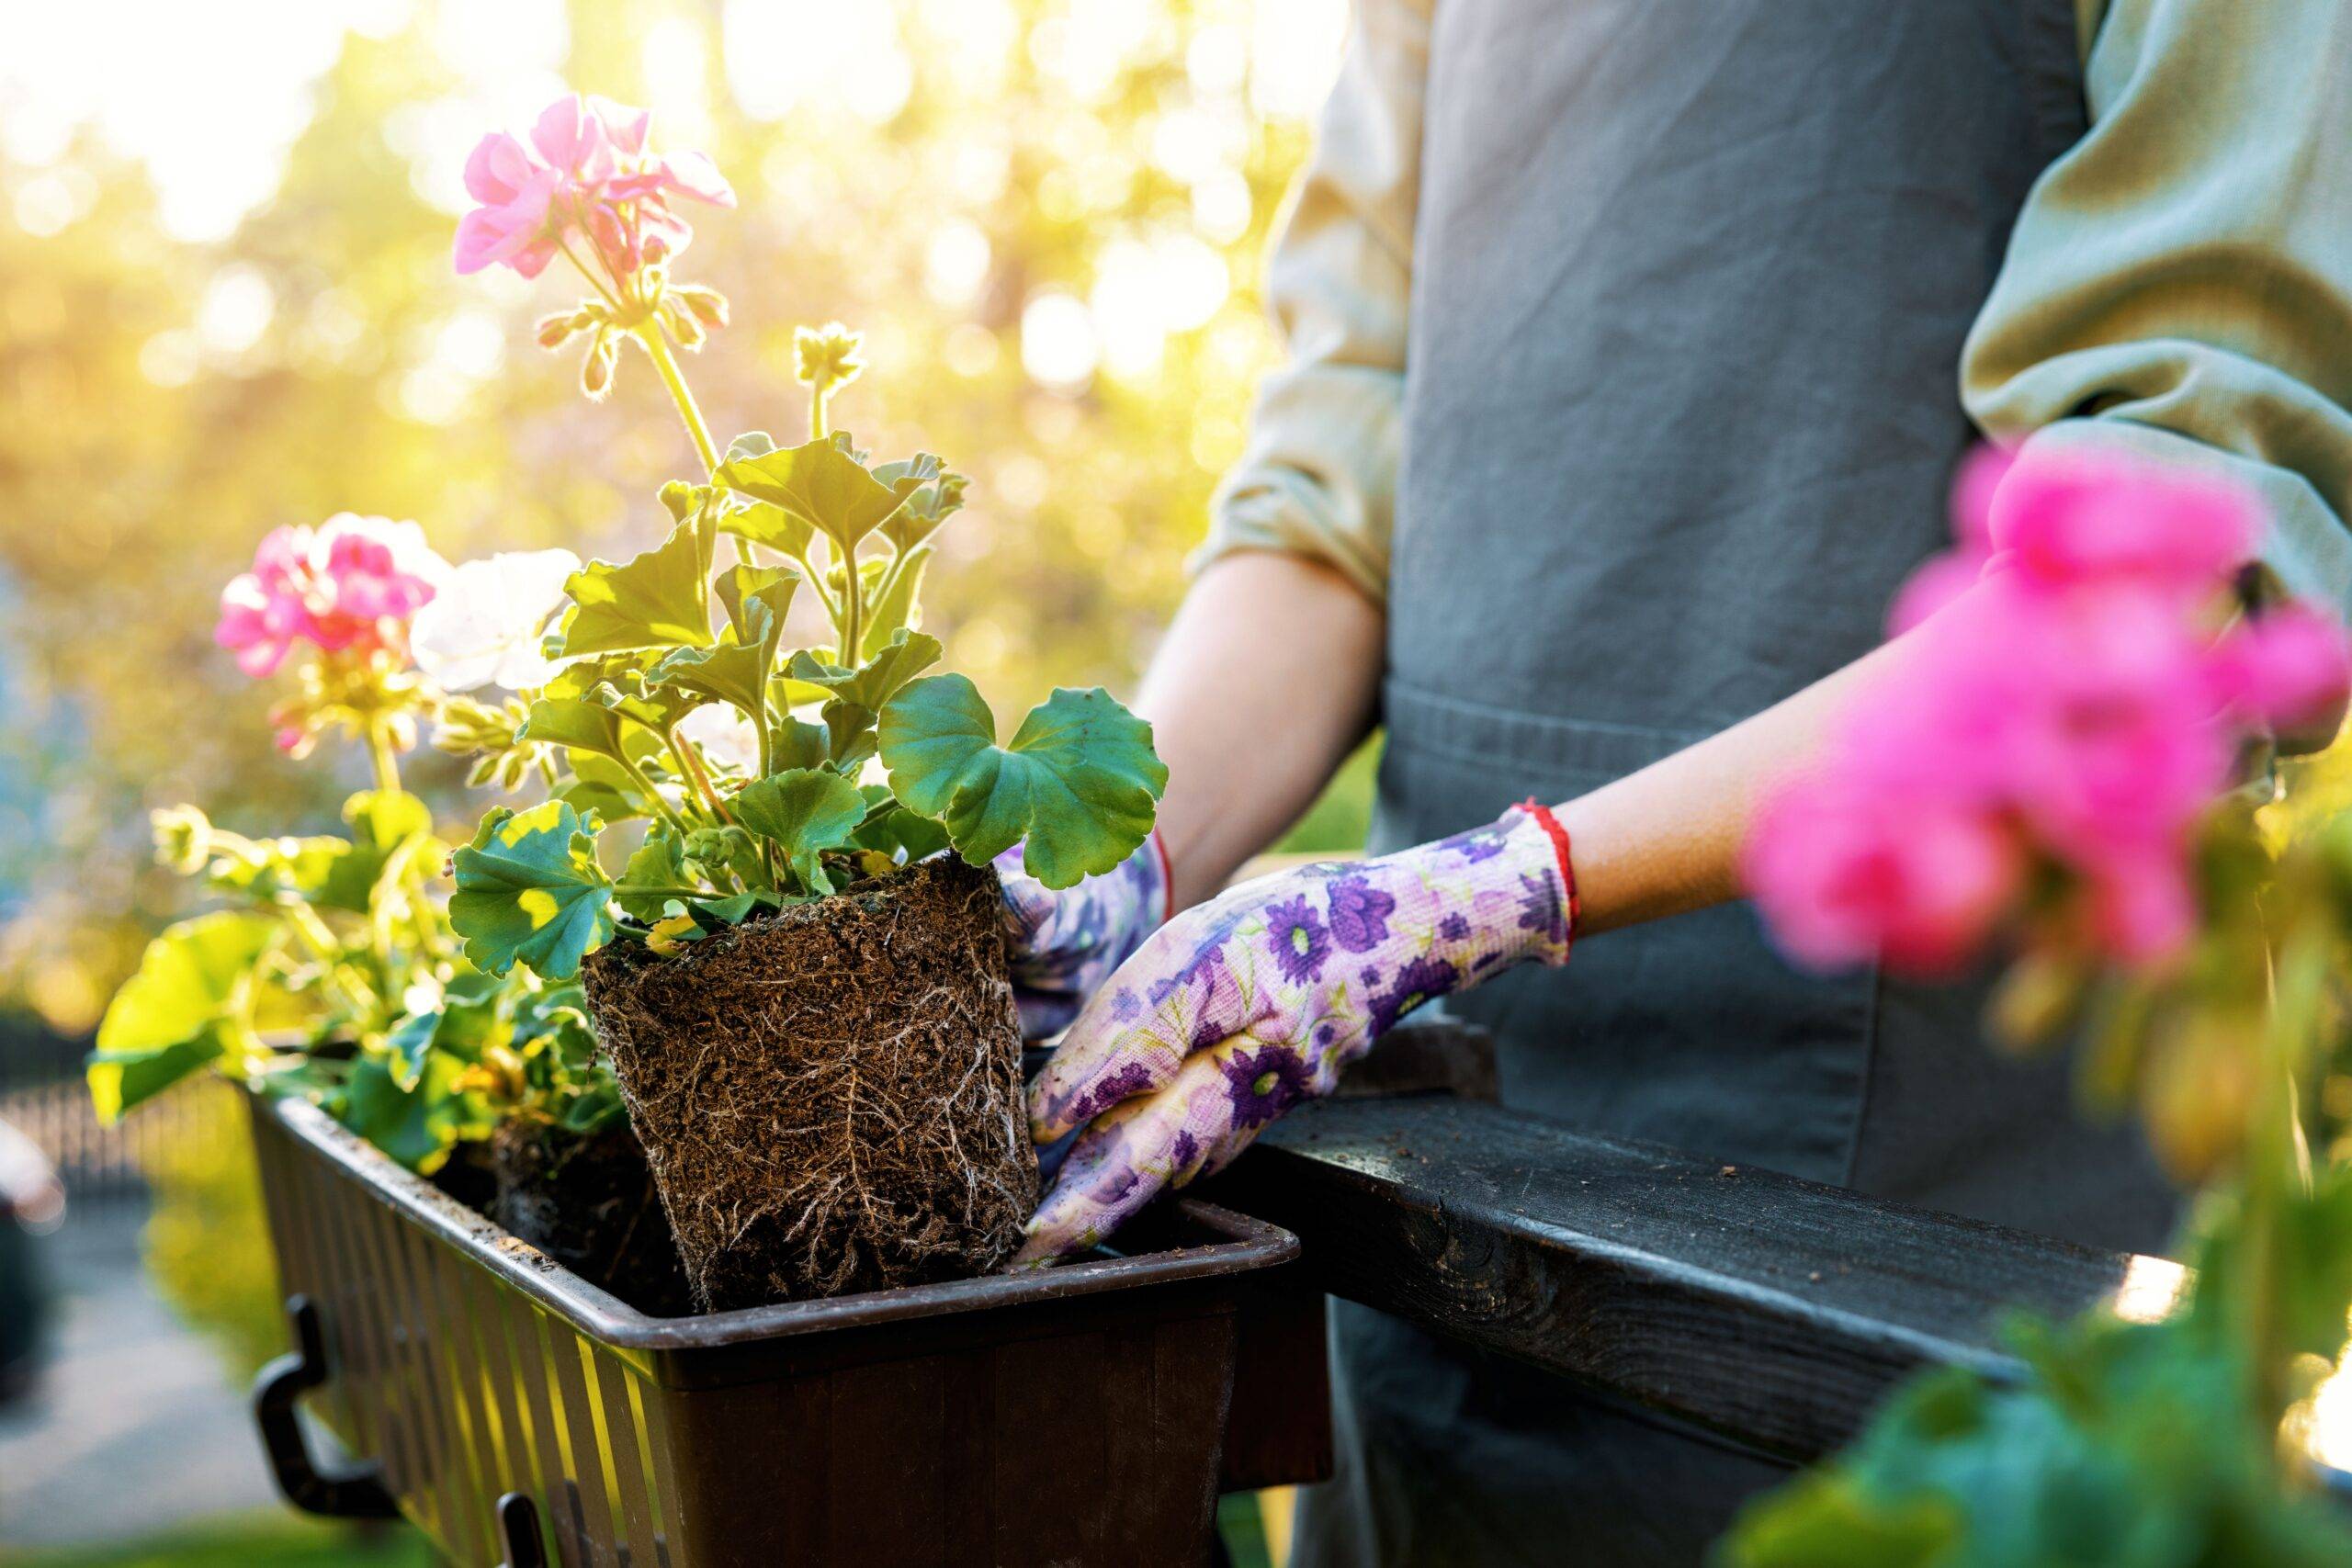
(851, 738)
(804, 811)
(818, 482)
(575, 722)
(418, 1124)
(871, 684)
(712, 916)
(897, 607)
(797, 743)
(736, 669)
(598, 784)
(900, 833)
(930, 493)
(1077, 783)
(461, 1026)
(763, 524)
(593, 1109)
(661, 599)
(660, 862)
(529, 889)
(180, 1011)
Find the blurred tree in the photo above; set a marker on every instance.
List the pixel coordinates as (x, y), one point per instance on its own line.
(1047, 214)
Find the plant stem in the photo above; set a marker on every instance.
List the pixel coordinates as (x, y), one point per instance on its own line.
(819, 391)
(585, 271)
(385, 756)
(656, 344)
(691, 766)
(653, 796)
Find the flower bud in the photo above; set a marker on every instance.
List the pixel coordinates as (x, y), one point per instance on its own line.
(684, 324)
(597, 370)
(708, 305)
(827, 356)
(555, 331)
(182, 839)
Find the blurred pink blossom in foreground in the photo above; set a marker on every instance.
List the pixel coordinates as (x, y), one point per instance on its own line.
(2065, 699)
(350, 584)
(584, 171)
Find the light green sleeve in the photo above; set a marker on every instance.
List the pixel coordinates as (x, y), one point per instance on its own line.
(1318, 475)
(2180, 281)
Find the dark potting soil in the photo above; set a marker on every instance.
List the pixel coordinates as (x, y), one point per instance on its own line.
(588, 1202)
(470, 1175)
(831, 1098)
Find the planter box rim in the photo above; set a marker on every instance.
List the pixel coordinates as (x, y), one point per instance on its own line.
(1248, 1245)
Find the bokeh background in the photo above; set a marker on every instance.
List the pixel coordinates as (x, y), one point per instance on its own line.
(226, 304)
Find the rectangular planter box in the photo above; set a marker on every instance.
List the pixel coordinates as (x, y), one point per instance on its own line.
(518, 1414)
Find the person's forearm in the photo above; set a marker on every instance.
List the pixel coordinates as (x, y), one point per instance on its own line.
(1666, 840)
(1267, 679)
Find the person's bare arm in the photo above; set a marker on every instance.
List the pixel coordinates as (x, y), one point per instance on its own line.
(1266, 680)
(1666, 840)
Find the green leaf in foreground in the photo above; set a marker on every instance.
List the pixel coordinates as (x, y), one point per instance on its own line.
(529, 889)
(1078, 782)
(818, 482)
(661, 599)
(804, 812)
(906, 655)
(174, 1016)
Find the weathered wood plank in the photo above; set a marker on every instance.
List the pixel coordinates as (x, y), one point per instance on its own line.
(1777, 1310)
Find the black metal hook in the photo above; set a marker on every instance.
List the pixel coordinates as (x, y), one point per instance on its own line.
(349, 1493)
(518, 1531)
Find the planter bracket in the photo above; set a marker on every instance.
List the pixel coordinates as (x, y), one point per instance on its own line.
(344, 1492)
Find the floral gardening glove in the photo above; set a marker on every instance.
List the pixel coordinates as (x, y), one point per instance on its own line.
(1064, 945)
(1236, 1010)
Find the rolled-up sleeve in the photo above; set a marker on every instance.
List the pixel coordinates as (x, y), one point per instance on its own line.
(2180, 281)
(1318, 476)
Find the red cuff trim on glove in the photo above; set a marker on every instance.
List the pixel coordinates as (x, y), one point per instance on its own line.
(1559, 837)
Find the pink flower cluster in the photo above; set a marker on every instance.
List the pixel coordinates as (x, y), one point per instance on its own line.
(584, 171)
(2071, 698)
(351, 583)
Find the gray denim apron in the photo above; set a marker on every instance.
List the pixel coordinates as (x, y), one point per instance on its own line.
(1690, 282)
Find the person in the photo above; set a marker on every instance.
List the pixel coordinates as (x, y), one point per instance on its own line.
(1634, 347)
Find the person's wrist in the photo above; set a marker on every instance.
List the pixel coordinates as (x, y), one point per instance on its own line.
(1512, 892)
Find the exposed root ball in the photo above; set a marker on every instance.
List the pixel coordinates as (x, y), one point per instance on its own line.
(831, 1098)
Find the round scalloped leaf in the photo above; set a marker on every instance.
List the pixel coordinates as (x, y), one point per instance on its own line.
(1079, 782)
(529, 889)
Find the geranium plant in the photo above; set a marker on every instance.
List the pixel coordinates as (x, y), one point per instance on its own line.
(769, 775)
(331, 970)
(809, 1014)
(2050, 772)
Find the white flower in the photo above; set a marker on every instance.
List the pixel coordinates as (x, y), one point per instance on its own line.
(724, 735)
(484, 626)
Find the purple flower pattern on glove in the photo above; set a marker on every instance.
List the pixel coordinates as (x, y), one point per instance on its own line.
(1064, 945)
(1236, 1010)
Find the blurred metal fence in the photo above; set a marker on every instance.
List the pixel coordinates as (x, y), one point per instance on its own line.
(42, 1096)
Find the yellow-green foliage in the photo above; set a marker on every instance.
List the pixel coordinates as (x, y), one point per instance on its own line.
(207, 1246)
(1043, 150)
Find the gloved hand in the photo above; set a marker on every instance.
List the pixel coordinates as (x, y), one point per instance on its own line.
(1064, 944)
(1239, 1008)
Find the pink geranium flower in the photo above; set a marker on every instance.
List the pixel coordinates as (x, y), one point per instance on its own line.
(351, 583)
(1845, 874)
(2286, 667)
(2072, 520)
(586, 169)
(2064, 702)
